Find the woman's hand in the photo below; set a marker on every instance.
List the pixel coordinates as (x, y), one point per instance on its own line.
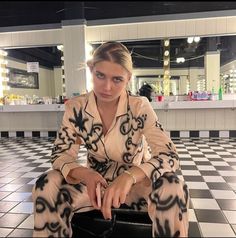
(115, 194)
(90, 178)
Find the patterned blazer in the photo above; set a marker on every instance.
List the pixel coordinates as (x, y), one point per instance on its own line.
(135, 138)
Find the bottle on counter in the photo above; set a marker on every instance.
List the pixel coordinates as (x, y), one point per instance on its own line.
(220, 94)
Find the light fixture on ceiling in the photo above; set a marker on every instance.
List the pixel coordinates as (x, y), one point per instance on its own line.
(192, 39)
(180, 60)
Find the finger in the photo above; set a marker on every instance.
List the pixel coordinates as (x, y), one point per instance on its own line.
(116, 201)
(106, 205)
(92, 196)
(123, 198)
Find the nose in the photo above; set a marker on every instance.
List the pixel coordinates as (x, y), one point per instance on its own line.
(107, 85)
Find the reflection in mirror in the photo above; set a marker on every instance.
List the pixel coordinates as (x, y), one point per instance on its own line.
(196, 64)
(35, 75)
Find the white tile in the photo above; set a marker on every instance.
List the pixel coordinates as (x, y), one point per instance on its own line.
(205, 168)
(28, 223)
(231, 216)
(12, 133)
(199, 159)
(32, 174)
(212, 156)
(192, 216)
(213, 179)
(5, 231)
(206, 150)
(227, 173)
(223, 153)
(216, 230)
(23, 207)
(219, 163)
(191, 172)
(224, 134)
(184, 134)
(229, 159)
(197, 185)
(223, 194)
(25, 169)
(187, 163)
(233, 186)
(195, 153)
(205, 203)
(28, 134)
(203, 134)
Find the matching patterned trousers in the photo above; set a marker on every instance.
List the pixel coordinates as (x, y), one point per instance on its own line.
(55, 201)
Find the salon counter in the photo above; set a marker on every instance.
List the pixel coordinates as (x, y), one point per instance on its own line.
(40, 117)
(174, 115)
(196, 115)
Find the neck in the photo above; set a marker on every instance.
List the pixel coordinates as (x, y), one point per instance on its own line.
(102, 104)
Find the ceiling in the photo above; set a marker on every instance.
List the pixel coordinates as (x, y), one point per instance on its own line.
(17, 13)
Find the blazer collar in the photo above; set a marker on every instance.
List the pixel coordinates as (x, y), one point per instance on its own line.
(91, 105)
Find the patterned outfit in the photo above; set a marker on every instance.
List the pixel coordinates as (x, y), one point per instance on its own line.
(135, 138)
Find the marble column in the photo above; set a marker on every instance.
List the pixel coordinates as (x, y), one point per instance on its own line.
(74, 42)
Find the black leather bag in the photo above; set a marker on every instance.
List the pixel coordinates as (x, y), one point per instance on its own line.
(124, 223)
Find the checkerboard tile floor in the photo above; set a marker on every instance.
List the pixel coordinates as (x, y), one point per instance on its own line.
(208, 165)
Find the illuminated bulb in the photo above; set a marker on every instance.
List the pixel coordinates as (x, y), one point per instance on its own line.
(166, 43)
(167, 72)
(190, 40)
(60, 47)
(3, 53)
(166, 53)
(196, 39)
(166, 62)
(62, 58)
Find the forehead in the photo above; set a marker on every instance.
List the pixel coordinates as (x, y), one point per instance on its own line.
(110, 68)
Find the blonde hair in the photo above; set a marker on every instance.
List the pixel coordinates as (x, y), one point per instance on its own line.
(114, 52)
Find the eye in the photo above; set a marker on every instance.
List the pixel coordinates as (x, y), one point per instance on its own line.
(99, 75)
(117, 79)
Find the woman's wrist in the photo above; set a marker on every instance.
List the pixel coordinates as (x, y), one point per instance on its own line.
(131, 175)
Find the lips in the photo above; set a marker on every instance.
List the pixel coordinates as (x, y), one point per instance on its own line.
(105, 95)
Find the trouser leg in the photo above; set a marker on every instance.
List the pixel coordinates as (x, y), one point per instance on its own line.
(168, 207)
(54, 204)
(166, 201)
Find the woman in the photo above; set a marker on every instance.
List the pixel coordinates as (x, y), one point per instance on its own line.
(128, 154)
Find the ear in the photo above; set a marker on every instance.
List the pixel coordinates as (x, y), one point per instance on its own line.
(90, 65)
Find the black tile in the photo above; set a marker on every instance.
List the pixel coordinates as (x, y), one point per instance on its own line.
(210, 216)
(209, 173)
(194, 133)
(20, 134)
(232, 133)
(193, 178)
(21, 233)
(188, 167)
(174, 133)
(218, 186)
(52, 134)
(194, 230)
(12, 220)
(203, 163)
(26, 188)
(21, 180)
(39, 169)
(35, 133)
(4, 134)
(229, 179)
(200, 193)
(227, 204)
(225, 168)
(214, 133)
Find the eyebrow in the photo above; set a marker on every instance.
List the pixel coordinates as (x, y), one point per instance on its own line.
(117, 76)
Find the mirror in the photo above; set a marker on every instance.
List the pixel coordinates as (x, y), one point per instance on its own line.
(35, 72)
(188, 63)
